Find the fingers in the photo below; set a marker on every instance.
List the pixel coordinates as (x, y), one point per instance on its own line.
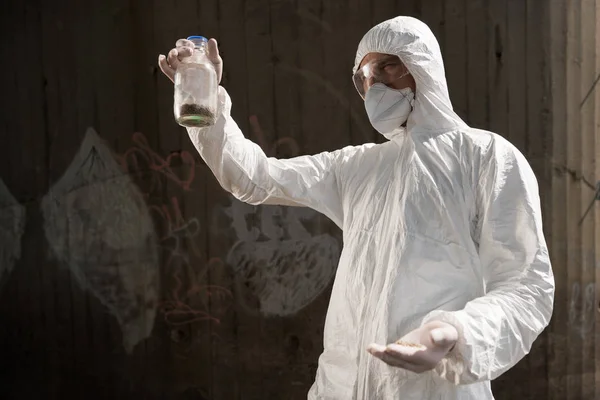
(405, 351)
(166, 68)
(173, 59)
(377, 348)
(394, 360)
(215, 58)
(213, 51)
(168, 65)
(184, 43)
(408, 358)
(185, 48)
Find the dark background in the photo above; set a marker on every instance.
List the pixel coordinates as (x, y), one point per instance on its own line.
(128, 273)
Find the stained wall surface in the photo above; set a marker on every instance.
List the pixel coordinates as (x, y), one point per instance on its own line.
(127, 272)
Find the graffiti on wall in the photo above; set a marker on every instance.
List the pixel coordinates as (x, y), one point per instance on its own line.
(280, 266)
(179, 167)
(188, 296)
(12, 226)
(282, 257)
(582, 310)
(98, 226)
(109, 222)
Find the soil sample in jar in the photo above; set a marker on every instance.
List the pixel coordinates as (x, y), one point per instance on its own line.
(195, 115)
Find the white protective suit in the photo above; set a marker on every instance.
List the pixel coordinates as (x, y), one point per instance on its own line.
(442, 222)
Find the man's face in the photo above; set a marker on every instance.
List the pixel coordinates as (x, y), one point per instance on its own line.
(382, 68)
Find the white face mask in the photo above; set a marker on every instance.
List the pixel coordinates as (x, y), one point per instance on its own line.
(388, 108)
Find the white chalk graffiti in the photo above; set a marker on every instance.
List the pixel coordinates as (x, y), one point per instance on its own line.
(12, 226)
(582, 313)
(278, 262)
(99, 226)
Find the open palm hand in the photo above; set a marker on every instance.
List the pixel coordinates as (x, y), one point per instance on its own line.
(420, 350)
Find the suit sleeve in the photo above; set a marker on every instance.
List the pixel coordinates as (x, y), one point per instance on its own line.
(243, 169)
(498, 329)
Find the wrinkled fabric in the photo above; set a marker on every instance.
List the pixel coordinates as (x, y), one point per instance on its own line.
(442, 222)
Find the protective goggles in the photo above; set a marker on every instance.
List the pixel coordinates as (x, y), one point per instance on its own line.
(384, 70)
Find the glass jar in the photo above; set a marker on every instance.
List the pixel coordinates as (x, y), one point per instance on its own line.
(195, 103)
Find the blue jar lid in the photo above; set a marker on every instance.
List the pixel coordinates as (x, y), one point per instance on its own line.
(200, 38)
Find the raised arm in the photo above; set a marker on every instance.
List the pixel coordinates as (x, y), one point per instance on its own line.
(243, 169)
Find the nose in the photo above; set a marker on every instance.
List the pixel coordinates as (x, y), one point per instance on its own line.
(369, 82)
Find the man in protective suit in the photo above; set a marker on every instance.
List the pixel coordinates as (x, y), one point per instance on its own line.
(443, 242)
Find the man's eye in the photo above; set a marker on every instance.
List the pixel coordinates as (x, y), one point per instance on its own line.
(387, 67)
